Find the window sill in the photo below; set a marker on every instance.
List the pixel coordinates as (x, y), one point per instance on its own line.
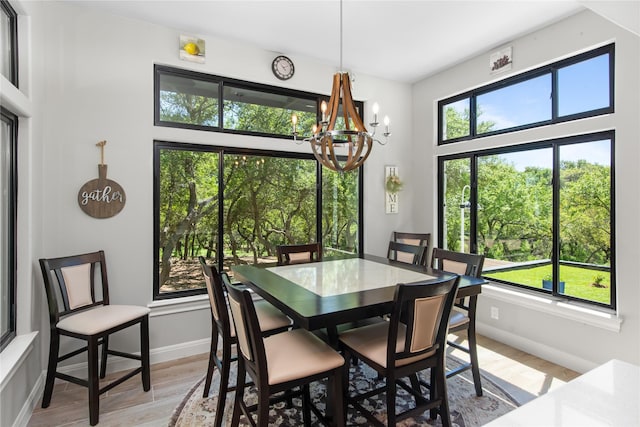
(178, 305)
(14, 355)
(600, 318)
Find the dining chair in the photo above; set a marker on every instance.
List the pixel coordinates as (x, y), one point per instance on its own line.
(412, 340)
(281, 362)
(77, 291)
(299, 254)
(271, 320)
(406, 253)
(463, 317)
(418, 239)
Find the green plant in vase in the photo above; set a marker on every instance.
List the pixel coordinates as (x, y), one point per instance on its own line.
(393, 184)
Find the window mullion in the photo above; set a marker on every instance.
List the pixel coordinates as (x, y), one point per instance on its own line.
(555, 226)
(473, 199)
(221, 188)
(472, 116)
(554, 94)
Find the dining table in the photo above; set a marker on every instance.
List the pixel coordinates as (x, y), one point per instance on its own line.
(329, 293)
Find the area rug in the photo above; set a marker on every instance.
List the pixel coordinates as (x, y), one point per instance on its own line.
(467, 410)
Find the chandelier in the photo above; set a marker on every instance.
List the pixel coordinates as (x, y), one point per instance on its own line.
(353, 143)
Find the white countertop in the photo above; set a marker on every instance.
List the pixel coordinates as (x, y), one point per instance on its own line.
(608, 395)
(344, 276)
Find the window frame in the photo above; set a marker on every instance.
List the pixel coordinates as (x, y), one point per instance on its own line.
(547, 69)
(159, 145)
(241, 84)
(12, 216)
(554, 144)
(13, 24)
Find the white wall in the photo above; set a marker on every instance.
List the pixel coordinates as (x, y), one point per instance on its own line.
(561, 334)
(97, 83)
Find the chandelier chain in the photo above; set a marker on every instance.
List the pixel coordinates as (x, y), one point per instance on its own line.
(347, 147)
(341, 36)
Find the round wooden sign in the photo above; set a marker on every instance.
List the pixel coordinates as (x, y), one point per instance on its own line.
(102, 197)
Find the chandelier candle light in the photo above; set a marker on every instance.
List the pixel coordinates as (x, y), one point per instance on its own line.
(327, 142)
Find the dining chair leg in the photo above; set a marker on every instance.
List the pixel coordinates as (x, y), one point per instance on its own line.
(212, 364)
(415, 384)
(239, 395)
(52, 367)
(224, 383)
(345, 375)
(473, 355)
(144, 354)
(103, 360)
(306, 405)
(288, 394)
(391, 400)
(433, 391)
(263, 407)
(441, 389)
(335, 387)
(93, 382)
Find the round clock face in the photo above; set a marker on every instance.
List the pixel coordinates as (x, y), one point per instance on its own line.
(282, 67)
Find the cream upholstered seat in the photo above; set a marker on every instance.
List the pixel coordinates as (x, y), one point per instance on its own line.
(102, 318)
(280, 363)
(412, 340)
(299, 254)
(78, 297)
(371, 340)
(463, 317)
(297, 354)
(271, 320)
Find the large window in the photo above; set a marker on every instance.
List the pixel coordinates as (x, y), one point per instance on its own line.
(235, 206)
(578, 87)
(8, 200)
(541, 213)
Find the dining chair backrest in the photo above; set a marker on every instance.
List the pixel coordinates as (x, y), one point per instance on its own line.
(299, 254)
(248, 331)
(406, 253)
(418, 239)
(457, 262)
(420, 318)
(74, 283)
(217, 296)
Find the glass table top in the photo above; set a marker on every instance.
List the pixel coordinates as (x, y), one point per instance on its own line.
(329, 278)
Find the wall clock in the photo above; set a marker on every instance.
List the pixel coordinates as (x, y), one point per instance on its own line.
(282, 67)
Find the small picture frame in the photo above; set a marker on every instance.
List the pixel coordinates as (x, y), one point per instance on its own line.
(501, 60)
(192, 49)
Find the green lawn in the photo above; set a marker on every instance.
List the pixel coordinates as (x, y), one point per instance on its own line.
(578, 281)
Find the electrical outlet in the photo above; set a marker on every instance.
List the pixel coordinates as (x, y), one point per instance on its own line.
(495, 313)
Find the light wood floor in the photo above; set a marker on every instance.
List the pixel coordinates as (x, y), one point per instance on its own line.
(523, 375)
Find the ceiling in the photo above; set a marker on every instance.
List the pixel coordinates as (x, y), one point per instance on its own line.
(393, 39)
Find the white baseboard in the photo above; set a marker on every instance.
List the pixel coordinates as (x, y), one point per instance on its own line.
(33, 400)
(157, 355)
(543, 351)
